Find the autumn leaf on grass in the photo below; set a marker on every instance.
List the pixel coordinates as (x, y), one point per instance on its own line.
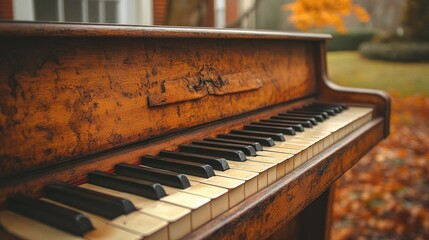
(386, 195)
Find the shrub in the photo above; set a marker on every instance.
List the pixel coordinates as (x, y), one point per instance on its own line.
(348, 42)
(396, 51)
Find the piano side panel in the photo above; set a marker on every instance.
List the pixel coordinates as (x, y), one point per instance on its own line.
(332, 92)
(66, 97)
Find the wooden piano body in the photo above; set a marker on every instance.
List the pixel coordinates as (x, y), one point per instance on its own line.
(76, 98)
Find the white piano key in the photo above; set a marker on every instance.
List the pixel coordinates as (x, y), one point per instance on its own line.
(135, 223)
(28, 228)
(218, 196)
(250, 178)
(263, 169)
(179, 218)
(200, 206)
(235, 187)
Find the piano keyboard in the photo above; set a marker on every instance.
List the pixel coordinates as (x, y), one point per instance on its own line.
(171, 194)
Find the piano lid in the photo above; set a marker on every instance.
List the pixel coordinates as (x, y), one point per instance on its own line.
(24, 28)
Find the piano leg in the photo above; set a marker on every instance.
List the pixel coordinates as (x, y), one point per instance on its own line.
(318, 216)
(314, 222)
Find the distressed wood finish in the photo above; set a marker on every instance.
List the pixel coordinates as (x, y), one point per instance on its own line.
(68, 97)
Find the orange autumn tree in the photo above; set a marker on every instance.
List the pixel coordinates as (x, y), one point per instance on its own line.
(308, 14)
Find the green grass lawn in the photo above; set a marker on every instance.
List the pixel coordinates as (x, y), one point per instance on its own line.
(353, 70)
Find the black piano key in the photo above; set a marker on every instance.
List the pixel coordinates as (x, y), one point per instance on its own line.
(215, 162)
(341, 107)
(284, 130)
(287, 117)
(127, 184)
(318, 118)
(186, 167)
(168, 178)
(296, 127)
(91, 201)
(312, 112)
(322, 115)
(337, 108)
(275, 136)
(246, 149)
(306, 124)
(53, 215)
(264, 141)
(257, 146)
(330, 111)
(236, 155)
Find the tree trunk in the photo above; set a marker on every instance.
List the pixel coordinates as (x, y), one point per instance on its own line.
(416, 20)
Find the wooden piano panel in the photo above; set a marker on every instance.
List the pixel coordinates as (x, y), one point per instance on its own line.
(67, 97)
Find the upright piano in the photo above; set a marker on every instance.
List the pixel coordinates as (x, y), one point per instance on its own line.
(131, 132)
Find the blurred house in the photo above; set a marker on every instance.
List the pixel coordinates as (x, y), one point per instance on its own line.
(206, 13)
(260, 14)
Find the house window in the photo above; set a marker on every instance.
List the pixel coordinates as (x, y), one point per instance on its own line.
(46, 10)
(97, 11)
(73, 11)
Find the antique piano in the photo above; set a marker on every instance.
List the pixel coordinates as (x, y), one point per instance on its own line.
(130, 132)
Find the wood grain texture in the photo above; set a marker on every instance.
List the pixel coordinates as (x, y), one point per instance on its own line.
(207, 82)
(267, 211)
(63, 98)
